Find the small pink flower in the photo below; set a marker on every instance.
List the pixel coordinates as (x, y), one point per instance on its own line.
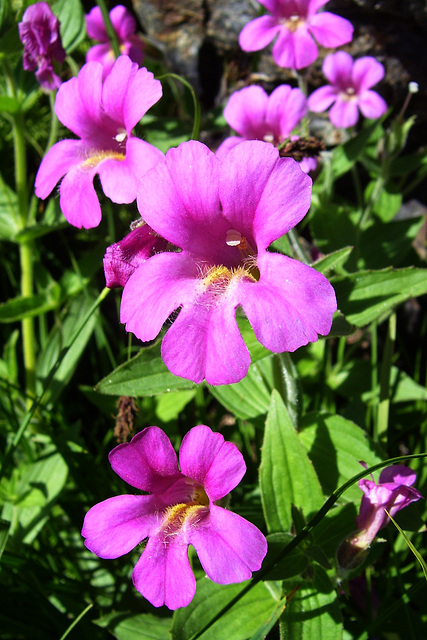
(349, 90)
(102, 113)
(296, 22)
(39, 33)
(122, 258)
(180, 510)
(124, 25)
(223, 213)
(257, 116)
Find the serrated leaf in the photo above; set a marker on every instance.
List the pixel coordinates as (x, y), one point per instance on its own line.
(369, 295)
(286, 473)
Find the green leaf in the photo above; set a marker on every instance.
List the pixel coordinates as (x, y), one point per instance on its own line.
(388, 202)
(345, 155)
(313, 611)
(332, 260)
(9, 213)
(294, 563)
(143, 375)
(72, 23)
(415, 551)
(286, 473)
(170, 405)
(369, 295)
(30, 306)
(336, 446)
(239, 622)
(8, 104)
(143, 626)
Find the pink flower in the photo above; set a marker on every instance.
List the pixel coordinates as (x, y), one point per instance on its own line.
(102, 114)
(180, 510)
(39, 33)
(296, 22)
(122, 258)
(393, 492)
(124, 25)
(257, 116)
(349, 89)
(223, 214)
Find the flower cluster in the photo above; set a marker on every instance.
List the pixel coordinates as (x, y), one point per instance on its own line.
(39, 33)
(181, 509)
(124, 25)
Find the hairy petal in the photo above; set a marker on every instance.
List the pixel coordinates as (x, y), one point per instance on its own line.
(290, 305)
(115, 526)
(148, 462)
(229, 547)
(163, 574)
(206, 457)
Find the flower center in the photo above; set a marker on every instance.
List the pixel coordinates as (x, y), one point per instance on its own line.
(348, 95)
(178, 515)
(294, 22)
(99, 156)
(121, 135)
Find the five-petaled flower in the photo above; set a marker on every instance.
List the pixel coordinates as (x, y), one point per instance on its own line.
(39, 33)
(102, 113)
(223, 214)
(180, 510)
(124, 24)
(349, 90)
(257, 116)
(296, 22)
(393, 492)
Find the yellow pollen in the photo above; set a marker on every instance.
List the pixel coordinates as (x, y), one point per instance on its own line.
(99, 156)
(293, 23)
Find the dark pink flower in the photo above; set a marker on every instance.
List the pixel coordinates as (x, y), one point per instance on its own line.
(39, 33)
(180, 510)
(124, 25)
(393, 492)
(297, 25)
(223, 213)
(257, 116)
(349, 90)
(122, 258)
(102, 114)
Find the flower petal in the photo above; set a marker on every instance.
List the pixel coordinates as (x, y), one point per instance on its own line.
(227, 145)
(95, 25)
(163, 574)
(344, 113)
(116, 86)
(246, 110)
(229, 547)
(78, 200)
(206, 457)
(58, 160)
(372, 105)
(366, 73)
(337, 68)
(123, 22)
(148, 462)
(398, 474)
(286, 108)
(322, 98)
(290, 305)
(114, 527)
(295, 50)
(259, 33)
(142, 93)
(330, 30)
(157, 288)
(204, 342)
(78, 101)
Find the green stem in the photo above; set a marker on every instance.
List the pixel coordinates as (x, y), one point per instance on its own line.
(112, 36)
(196, 105)
(385, 374)
(53, 133)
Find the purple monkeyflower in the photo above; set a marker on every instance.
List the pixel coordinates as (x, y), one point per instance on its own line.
(102, 114)
(257, 116)
(349, 90)
(223, 213)
(39, 33)
(124, 24)
(180, 510)
(297, 24)
(122, 258)
(393, 492)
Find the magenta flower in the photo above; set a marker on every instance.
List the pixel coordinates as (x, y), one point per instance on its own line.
(257, 116)
(223, 214)
(393, 492)
(296, 22)
(124, 25)
(39, 33)
(122, 258)
(180, 510)
(102, 114)
(349, 90)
